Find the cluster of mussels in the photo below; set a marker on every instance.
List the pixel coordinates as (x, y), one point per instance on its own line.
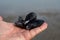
(30, 21)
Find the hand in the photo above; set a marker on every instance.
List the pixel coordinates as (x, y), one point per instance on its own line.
(8, 31)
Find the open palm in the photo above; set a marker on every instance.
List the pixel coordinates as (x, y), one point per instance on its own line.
(8, 31)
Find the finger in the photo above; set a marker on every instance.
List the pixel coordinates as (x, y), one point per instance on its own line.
(36, 31)
(1, 18)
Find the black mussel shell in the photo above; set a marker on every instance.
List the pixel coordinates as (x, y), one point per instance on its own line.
(31, 16)
(20, 23)
(34, 24)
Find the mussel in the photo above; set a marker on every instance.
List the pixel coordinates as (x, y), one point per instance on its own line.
(20, 23)
(34, 24)
(30, 17)
(30, 21)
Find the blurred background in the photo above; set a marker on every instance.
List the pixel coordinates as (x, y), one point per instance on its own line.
(48, 9)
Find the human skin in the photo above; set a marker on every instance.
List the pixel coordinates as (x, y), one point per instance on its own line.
(8, 31)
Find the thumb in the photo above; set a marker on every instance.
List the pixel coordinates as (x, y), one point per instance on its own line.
(1, 18)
